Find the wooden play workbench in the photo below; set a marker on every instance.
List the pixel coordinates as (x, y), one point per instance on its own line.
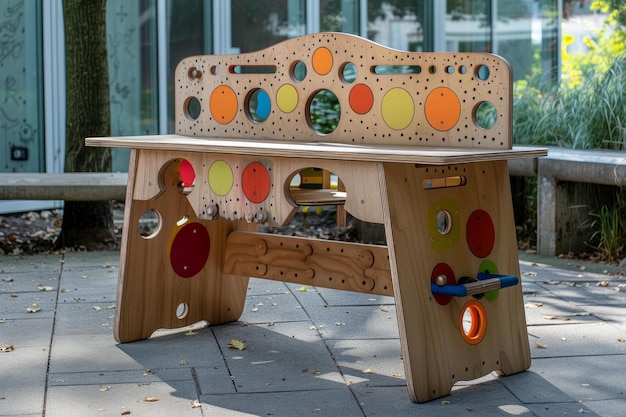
(413, 151)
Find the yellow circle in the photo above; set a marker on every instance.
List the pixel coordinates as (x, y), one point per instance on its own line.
(287, 98)
(397, 108)
(220, 177)
(322, 61)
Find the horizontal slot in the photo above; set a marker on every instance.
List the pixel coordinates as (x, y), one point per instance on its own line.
(252, 69)
(444, 182)
(396, 69)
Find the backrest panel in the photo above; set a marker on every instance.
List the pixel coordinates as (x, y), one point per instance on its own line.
(340, 88)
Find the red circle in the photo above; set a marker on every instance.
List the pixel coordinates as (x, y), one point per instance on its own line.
(361, 99)
(443, 269)
(480, 233)
(190, 250)
(187, 173)
(255, 182)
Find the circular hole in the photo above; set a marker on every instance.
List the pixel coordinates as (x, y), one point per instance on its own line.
(214, 70)
(432, 69)
(450, 69)
(482, 72)
(192, 108)
(298, 71)
(194, 73)
(182, 310)
(258, 105)
(463, 69)
(323, 112)
(444, 222)
(149, 224)
(348, 73)
(473, 322)
(485, 115)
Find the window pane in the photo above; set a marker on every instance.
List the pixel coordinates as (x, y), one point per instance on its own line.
(468, 26)
(525, 35)
(131, 37)
(340, 16)
(400, 25)
(21, 107)
(189, 33)
(257, 24)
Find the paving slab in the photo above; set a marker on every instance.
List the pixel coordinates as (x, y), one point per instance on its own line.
(309, 351)
(327, 403)
(156, 399)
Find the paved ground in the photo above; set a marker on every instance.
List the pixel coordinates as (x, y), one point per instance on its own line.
(309, 353)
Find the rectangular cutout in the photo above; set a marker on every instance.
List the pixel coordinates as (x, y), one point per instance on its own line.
(444, 182)
(252, 69)
(396, 69)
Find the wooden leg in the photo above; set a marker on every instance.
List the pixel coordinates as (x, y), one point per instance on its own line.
(456, 231)
(173, 277)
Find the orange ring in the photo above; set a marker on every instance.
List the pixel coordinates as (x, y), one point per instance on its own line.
(478, 326)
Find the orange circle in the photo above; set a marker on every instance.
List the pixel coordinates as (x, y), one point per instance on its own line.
(322, 61)
(478, 325)
(223, 104)
(442, 108)
(361, 99)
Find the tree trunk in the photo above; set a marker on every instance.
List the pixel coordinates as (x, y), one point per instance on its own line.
(90, 223)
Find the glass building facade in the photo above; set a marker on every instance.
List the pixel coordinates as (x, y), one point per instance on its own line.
(147, 38)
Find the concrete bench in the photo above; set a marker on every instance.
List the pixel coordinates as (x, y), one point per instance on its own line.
(88, 186)
(411, 154)
(604, 167)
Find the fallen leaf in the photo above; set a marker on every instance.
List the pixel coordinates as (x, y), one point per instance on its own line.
(303, 288)
(603, 284)
(541, 345)
(151, 399)
(445, 402)
(315, 371)
(183, 362)
(7, 349)
(621, 339)
(97, 308)
(529, 274)
(34, 309)
(104, 388)
(190, 333)
(533, 305)
(44, 288)
(367, 371)
(125, 412)
(552, 282)
(383, 308)
(196, 404)
(237, 344)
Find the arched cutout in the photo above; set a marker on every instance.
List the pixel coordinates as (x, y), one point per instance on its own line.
(315, 187)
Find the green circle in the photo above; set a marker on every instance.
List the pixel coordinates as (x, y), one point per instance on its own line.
(442, 242)
(488, 266)
(221, 177)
